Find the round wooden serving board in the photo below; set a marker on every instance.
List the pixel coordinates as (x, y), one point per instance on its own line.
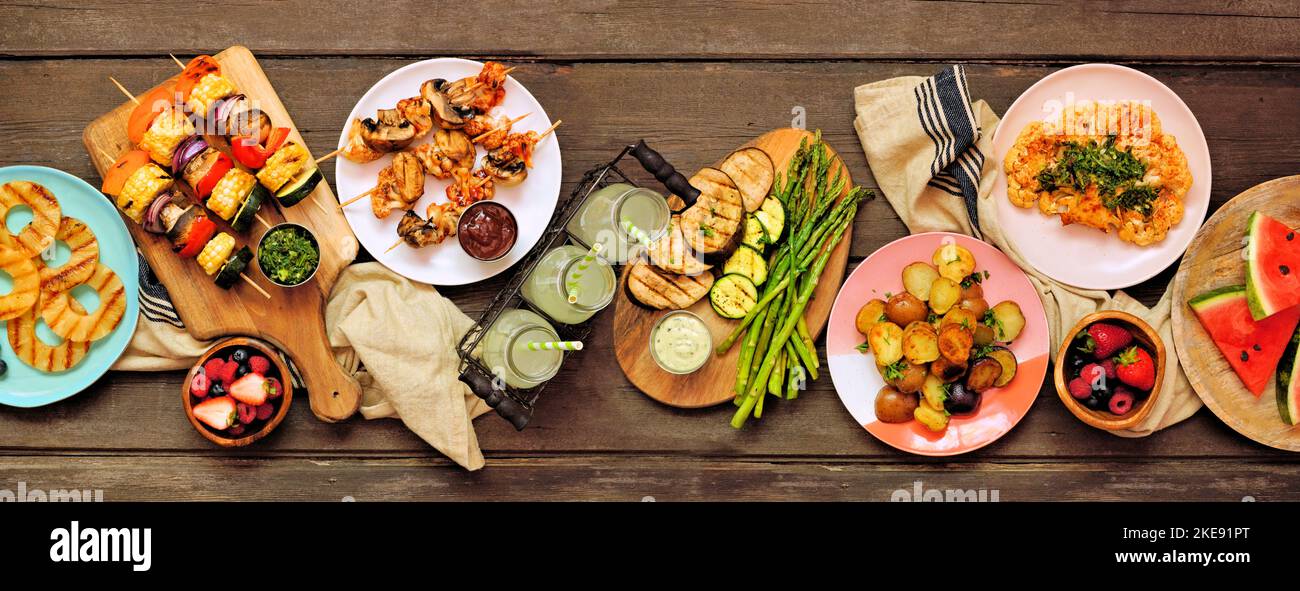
(293, 319)
(713, 383)
(1214, 260)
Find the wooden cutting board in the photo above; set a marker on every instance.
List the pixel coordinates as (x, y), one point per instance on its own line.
(713, 383)
(293, 319)
(1214, 260)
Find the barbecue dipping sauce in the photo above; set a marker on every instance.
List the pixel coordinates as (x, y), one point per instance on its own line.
(487, 230)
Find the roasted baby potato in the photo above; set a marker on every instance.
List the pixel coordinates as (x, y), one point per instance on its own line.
(1007, 359)
(961, 400)
(934, 419)
(944, 294)
(983, 334)
(983, 374)
(934, 391)
(893, 406)
(960, 317)
(971, 290)
(977, 306)
(920, 343)
(886, 340)
(955, 342)
(904, 308)
(946, 370)
(954, 261)
(1008, 321)
(917, 278)
(871, 313)
(907, 377)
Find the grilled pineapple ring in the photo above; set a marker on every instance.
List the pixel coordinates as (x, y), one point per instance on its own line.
(26, 281)
(30, 349)
(65, 321)
(39, 234)
(79, 268)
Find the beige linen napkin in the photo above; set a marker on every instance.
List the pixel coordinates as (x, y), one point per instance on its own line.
(931, 151)
(398, 338)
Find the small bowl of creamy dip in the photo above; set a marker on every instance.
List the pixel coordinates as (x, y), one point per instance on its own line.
(680, 342)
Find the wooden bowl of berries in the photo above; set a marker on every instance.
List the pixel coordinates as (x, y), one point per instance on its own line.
(1109, 370)
(237, 393)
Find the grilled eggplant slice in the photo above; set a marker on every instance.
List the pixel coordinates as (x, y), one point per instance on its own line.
(752, 171)
(669, 252)
(654, 288)
(713, 227)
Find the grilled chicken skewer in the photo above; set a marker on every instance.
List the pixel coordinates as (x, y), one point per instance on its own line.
(450, 151)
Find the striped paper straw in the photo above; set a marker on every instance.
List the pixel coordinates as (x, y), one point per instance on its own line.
(555, 345)
(635, 232)
(582, 268)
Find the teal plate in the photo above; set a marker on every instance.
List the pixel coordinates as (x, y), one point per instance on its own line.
(23, 386)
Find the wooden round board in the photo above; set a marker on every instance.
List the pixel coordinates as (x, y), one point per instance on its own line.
(713, 383)
(1214, 260)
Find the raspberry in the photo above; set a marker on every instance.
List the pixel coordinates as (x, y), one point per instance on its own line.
(213, 367)
(1091, 372)
(259, 365)
(227, 375)
(1080, 389)
(1109, 366)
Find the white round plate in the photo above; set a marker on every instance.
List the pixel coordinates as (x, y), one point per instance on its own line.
(533, 201)
(1078, 255)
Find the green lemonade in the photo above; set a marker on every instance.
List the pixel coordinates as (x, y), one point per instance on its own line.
(600, 219)
(547, 287)
(504, 349)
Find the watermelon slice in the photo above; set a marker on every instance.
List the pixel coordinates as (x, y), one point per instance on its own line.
(1252, 347)
(1272, 266)
(1288, 383)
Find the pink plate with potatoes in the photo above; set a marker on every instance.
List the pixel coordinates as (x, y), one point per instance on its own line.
(858, 381)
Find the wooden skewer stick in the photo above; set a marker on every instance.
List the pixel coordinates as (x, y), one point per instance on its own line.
(357, 198)
(178, 62)
(395, 245)
(330, 155)
(504, 126)
(263, 220)
(509, 70)
(124, 90)
(549, 130)
(255, 286)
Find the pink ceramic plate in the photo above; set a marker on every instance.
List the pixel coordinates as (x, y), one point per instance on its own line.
(1078, 255)
(857, 381)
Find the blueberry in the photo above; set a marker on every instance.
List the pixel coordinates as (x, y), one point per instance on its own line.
(242, 370)
(1094, 402)
(4, 367)
(216, 390)
(239, 356)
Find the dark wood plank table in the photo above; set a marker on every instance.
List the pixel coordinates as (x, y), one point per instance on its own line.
(696, 80)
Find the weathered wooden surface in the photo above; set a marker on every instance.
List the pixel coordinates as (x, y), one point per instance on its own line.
(613, 79)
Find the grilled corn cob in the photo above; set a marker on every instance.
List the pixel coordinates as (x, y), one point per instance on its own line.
(144, 185)
(283, 166)
(164, 134)
(216, 252)
(209, 89)
(230, 193)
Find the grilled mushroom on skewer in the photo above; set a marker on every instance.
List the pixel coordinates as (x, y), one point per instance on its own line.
(419, 233)
(357, 150)
(401, 184)
(390, 133)
(507, 174)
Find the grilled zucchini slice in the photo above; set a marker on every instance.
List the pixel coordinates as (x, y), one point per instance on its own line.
(233, 267)
(748, 262)
(248, 211)
(772, 216)
(300, 188)
(755, 234)
(733, 296)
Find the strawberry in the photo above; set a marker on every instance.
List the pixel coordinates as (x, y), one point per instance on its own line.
(246, 413)
(251, 389)
(1106, 339)
(1135, 368)
(213, 367)
(259, 365)
(218, 413)
(1080, 389)
(199, 385)
(265, 411)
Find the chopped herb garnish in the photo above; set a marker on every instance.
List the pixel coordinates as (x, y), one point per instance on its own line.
(288, 255)
(894, 371)
(1115, 172)
(863, 348)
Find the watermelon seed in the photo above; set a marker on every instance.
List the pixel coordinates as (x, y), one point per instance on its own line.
(1245, 356)
(1290, 236)
(1257, 348)
(1285, 270)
